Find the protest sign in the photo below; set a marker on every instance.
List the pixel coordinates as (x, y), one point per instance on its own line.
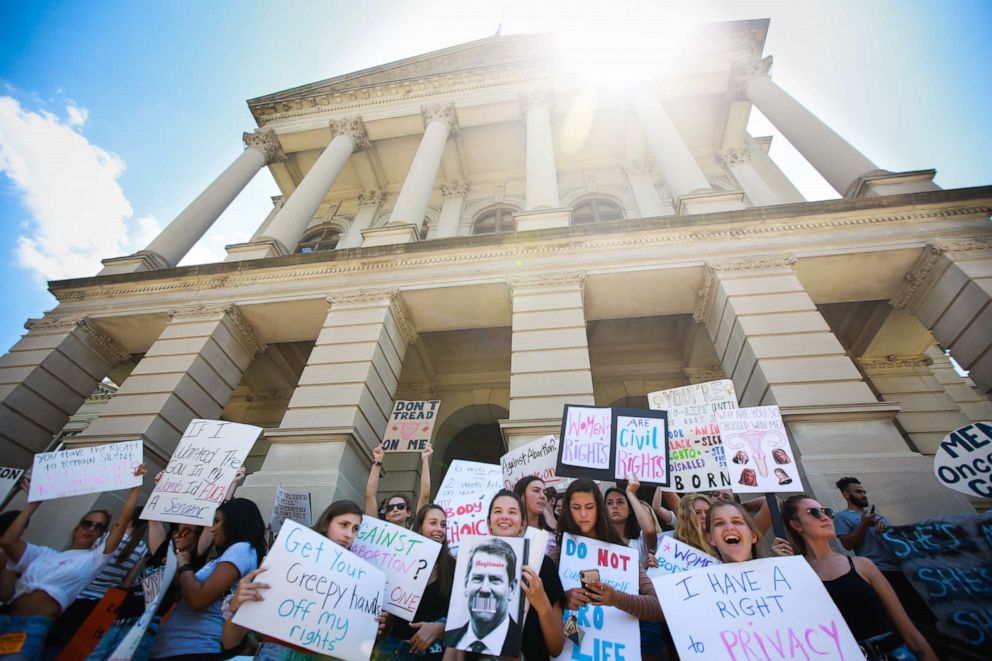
(535, 458)
(640, 446)
(410, 426)
(775, 608)
(696, 454)
(949, 562)
(607, 632)
(293, 505)
(465, 492)
(537, 545)
(154, 587)
(674, 556)
(80, 471)
(486, 596)
(585, 448)
(200, 472)
(405, 558)
(759, 456)
(9, 478)
(323, 597)
(963, 461)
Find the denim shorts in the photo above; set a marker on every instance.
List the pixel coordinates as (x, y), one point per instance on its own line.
(35, 627)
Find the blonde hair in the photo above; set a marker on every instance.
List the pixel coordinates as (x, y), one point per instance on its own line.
(687, 528)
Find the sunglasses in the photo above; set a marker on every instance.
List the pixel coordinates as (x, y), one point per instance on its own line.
(819, 512)
(86, 524)
(395, 506)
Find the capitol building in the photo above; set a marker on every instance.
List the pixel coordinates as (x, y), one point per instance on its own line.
(483, 226)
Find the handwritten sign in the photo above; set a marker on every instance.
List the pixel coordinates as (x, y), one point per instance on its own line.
(153, 590)
(696, 454)
(85, 470)
(465, 492)
(963, 461)
(674, 556)
(759, 456)
(775, 608)
(200, 472)
(949, 562)
(9, 477)
(585, 449)
(405, 558)
(535, 458)
(410, 426)
(609, 633)
(641, 446)
(323, 597)
(293, 505)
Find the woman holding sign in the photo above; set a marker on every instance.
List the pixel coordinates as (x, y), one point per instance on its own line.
(862, 594)
(396, 509)
(51, 580)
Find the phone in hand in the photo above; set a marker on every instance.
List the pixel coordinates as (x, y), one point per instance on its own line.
(871, 510)
(587, 576)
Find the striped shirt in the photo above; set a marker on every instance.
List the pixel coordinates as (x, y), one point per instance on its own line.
(113, 573)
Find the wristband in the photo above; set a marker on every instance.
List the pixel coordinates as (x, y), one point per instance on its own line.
(377, 463)
(186, 567)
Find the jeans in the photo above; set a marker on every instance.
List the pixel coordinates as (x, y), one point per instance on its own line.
(276, 652)
(36, 628)
(115, 635)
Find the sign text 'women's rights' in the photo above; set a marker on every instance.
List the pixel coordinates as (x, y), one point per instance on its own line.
(464, 494)
(405, 558)
(323, 597)
(608, 632)
(80, 471)
(775, 608)
(410, 425)
(963, 461)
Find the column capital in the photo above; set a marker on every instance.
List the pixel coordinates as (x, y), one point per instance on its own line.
(535, 97)
(244, 330)
(705, 293)
(352, 127)
(640, 166)
(550, 281)
(893, 362)
(455, 189)
(444, 113)
(696, 375)
(265, 141)
(734, 156)
(371, 198)
(917, 278)
(105, 345)
(742, 75)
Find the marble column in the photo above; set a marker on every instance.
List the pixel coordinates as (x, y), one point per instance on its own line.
(738, 161)
(179, 236)
(645, 193)
(451, 209)
(368, 205)
(542, 172)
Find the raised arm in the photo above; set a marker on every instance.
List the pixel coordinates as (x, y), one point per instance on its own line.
(661, 507)
(206, 539)
(124, 518)
(853, 539)
(425, 477)
(641, 513)
(372, 486)
(11, 540)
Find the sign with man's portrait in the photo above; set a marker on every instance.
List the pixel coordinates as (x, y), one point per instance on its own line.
(485, 615)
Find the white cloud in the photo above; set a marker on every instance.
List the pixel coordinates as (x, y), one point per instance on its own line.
(78, 212)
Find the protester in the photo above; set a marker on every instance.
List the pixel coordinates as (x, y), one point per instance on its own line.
(50, 580)
(531, 491)
(735, 536)
(637, 531)
(7, 576)
(194, 626)
(861, 592)
(690, 524)
(664, 504)
(423, 637)
(396, 509)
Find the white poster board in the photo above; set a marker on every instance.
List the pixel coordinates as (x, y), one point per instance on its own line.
(775, 608)
(609, 633)
(410, 425)
(9, 477)
(962, 461)
(696, 454)
(465, 492)
(535, 458)
(293, 505)
(200, 472)
(405, 558)
(323, 597)
(759, 455)
(641, 446)
(585, 438)
(154, 587)
(80, 471)
(674, 556)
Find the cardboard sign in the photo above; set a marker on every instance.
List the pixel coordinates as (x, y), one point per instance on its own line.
(200, 472)
(465, 492)
(674, 556)
(80, 471)
(155, 586)
(9, 477)
(410, 426)
(696, 455)
(405, 558)
(535, 458)
(91, 630)
(963, 461)
(608, 632)
(290, 505)
(485, 593)
(949, 562)
(759, 456)
(586, 448)
(323, 597)
(640, 446)
(775, 608)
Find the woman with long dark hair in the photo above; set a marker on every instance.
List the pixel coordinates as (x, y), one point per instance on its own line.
(194, 627)
(632, 520)
(532, 492)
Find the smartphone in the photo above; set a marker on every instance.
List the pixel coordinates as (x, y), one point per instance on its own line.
(871, 510)
(587, 576)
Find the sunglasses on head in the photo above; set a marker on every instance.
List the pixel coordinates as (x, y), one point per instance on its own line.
(395, 506)
(819, 512)
(86, 524)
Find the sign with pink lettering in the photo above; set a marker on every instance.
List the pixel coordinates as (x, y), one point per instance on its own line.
(410, 425)
(759, 456)
(585, 449)
(465, 492)
(775, 608)
(79, 471)
(640, 446)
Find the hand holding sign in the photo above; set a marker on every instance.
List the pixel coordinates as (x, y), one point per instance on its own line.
(410, 426)
(79, 471)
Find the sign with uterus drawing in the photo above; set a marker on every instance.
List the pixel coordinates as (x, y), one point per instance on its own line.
(410, 425)
(759, 456)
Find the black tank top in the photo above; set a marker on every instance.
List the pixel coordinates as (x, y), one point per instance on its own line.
(858, 604)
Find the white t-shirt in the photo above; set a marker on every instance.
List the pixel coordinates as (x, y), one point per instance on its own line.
(60, 574)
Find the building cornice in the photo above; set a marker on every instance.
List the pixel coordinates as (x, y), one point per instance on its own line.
(920, 275)
(242, 329)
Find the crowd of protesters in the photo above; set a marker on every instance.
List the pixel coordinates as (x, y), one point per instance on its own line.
(49, 593)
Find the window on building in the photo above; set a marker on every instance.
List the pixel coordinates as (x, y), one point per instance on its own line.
(494, 219)
(596, 210)
(321, 238)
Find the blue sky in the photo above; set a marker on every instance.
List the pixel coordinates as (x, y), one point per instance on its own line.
(115, 115)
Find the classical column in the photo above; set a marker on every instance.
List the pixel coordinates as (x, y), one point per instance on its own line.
(645, 193)
(288, 226)
(451, 209)
(44, 379)
(961, 389)
(778, 349)
(738, 161)
(542, 173)
(179, 236)
(368, 204)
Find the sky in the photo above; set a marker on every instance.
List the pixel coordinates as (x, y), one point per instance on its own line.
(115, 115)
